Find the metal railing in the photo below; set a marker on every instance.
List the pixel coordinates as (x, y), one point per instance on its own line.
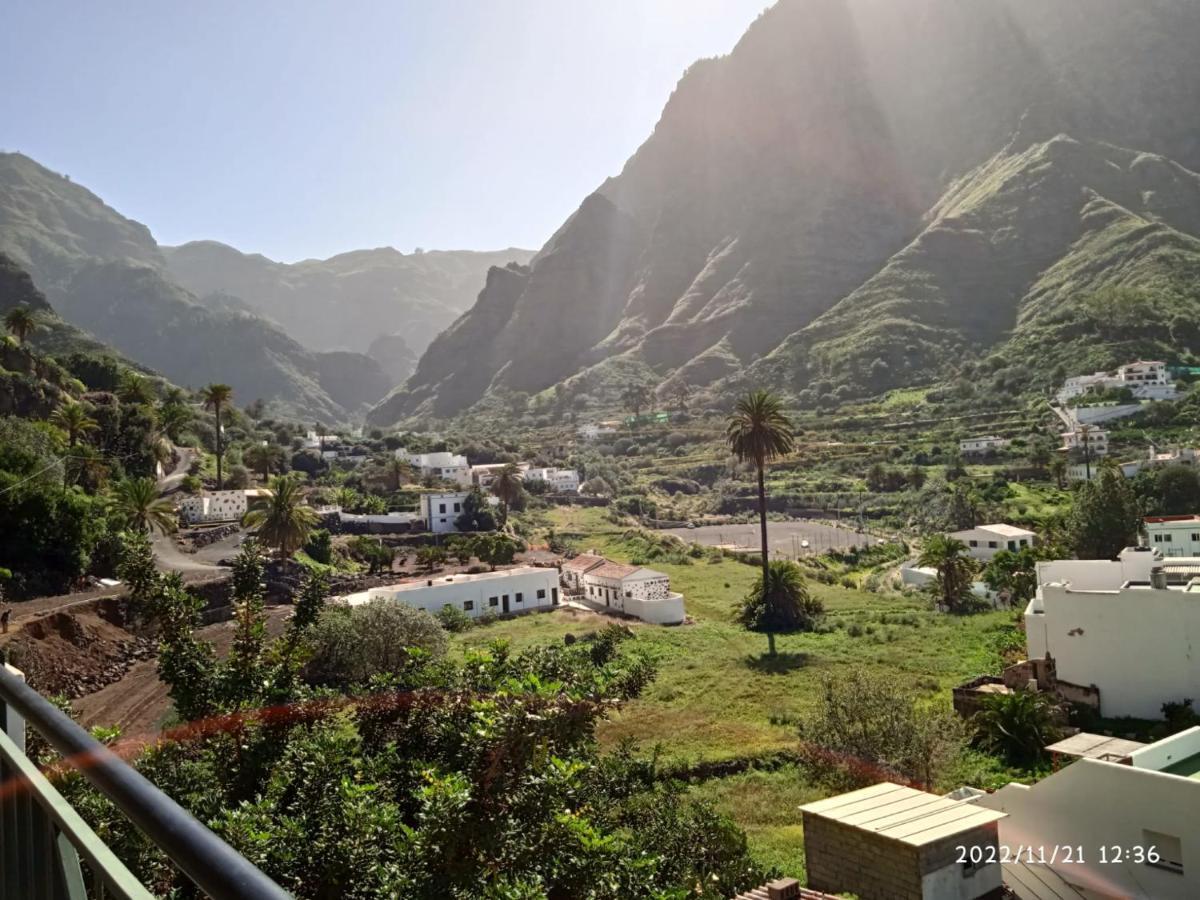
(43, 840)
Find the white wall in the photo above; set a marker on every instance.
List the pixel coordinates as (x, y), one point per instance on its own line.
(1093, 803)
(458, 590)
(440, 511)
(982, 550)
(1137, 645)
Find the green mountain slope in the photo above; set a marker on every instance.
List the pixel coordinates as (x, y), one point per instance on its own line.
(104, 273)
(347, 301)
(827, 157)
(1018, 246)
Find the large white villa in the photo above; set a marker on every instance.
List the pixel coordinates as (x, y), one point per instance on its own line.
(1146, 379)
(522, 589)
(447, 466)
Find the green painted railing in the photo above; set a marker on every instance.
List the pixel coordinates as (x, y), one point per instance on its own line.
(47, 851)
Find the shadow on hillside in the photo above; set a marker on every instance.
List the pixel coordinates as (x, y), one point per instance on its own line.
(780, 664)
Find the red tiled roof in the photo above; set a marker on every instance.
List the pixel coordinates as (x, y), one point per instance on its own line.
(583, 563)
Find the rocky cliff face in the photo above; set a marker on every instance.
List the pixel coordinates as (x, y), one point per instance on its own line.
(819, 170)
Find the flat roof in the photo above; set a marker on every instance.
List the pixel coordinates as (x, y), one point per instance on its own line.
(903, 814)
(463, 578)
(999, 528)
(1095, 746)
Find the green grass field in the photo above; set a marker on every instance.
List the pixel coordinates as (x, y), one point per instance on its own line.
(718, 697)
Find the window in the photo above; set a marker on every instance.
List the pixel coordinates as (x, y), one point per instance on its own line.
(629, 594)
(468, 605)
(1166, 538)
(1195, 537)
(974, 543)
(541, 594)
(1168, 847)
(441, 507)
(1012, 545)
(1158, 539)
(519, 597)
(493, 601)
(458, 507)
(993, 545)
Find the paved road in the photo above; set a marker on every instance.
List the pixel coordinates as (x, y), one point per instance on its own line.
(783, 538)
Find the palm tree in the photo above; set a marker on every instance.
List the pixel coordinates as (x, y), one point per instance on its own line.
(507, 486)
(785, 605)
(137, 503)
(954, 568)
(1020, 725)
(264, 458)
(282, 519)
(173, 417)
(1058, 469)
(20, 321)
(215, 396)
(72, 418)
(758, 432)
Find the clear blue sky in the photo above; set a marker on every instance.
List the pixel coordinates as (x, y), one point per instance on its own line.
(301, 129)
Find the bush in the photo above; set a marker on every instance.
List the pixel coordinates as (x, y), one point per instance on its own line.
(352, 644)
(453, 619)
(320, 546)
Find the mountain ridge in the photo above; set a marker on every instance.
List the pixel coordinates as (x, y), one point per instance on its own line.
(783, 178)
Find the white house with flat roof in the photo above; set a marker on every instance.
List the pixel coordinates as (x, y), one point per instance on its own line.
(1095, 440)
(447, 466)
(441, 509)
(985, 541)
(561, 481)
(210, 507)
(1173, 535)
(1134, 828)
(986, 444)
(522, 589)
(1120, 627)
(1146, 379)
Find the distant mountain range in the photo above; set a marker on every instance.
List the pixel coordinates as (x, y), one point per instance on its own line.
(204, 312)
(867, 194)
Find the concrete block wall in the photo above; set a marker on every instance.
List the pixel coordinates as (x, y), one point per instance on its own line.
(842, 859)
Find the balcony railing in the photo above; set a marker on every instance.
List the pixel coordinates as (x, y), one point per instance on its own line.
(46, 847)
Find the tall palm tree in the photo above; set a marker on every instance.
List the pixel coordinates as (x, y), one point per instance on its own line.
(783, 605)
(20, 321)
(72, 418)
(137, 503)
(758, 432)
(214, 397)
(954, 568)
(507, 486)
(282, 519)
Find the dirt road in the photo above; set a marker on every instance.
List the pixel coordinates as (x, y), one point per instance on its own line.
(139, 702)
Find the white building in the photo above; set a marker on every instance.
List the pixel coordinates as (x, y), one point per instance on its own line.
(1173, 535)
(988, 444)
(1119, 627)
(210, 507)
(985, 541)
(441, 509)
(314, 440)
(632, 590)
(1183, 456)
(1146, 379)
(1106, 810)
(1095, 439)
(447, 466)
(594, 430)
(561, 481)
(522, 589)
